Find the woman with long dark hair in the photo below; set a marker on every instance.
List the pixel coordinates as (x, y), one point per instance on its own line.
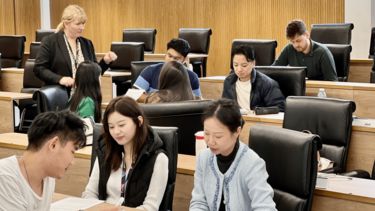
(174, 84)
(131, 168)
(87, 97)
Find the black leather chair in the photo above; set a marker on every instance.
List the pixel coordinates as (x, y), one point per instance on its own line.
(341, 55)
(372, 44)
(169, 136)
(372, 77)
(335, 33)
(292, 80)
(12, 50)
(329, 118)
(291, 162)
(126, 53)
(34, 49)
(51, 98)
(96, 140)
(372, 74)
(137, 67)
(199, 41)
(186, 115)
(28, 107)
(41, 33)
(265, 50)
(145, 35)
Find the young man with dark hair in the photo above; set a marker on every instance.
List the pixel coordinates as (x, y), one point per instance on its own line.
(28, 182)
(177, 50)
(302, 51)
(248, 87)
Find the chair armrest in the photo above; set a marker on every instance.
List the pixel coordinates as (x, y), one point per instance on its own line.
(357, 173)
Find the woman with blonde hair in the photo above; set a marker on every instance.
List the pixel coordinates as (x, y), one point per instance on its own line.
(62, 52)
(174, 84)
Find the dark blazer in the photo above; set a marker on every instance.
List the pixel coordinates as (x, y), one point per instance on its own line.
(53, 61)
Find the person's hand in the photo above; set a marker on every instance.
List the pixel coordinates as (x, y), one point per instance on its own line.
(66, 81)
(109, 57)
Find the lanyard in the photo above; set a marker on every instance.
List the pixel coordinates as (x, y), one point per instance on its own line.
(124, 179)
(75, 58)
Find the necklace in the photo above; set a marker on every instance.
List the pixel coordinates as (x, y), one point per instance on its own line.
(27, 174)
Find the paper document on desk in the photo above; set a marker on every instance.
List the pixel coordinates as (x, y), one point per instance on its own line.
(134, 93)
(74, 204)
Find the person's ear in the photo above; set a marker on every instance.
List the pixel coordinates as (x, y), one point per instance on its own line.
(307, 34)
(53, 142)
(140, 119)
(253, 63)
(238, 132)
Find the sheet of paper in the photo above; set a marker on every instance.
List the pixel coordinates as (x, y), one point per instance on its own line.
(134, 93)
(74, 204)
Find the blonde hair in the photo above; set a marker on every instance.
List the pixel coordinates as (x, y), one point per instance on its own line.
(71, 13)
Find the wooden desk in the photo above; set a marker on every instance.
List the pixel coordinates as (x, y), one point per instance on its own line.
(107, 86)
(12, 81)
(361, 93)
(157, 56)
(102, 206)
(344, 193)
(161, 56)
(76, 177)
(7, 109)
(359, 70)
(353, 194)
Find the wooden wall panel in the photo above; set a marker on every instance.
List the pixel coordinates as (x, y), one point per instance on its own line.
(7, 17)
(229, 19)
(27, 18)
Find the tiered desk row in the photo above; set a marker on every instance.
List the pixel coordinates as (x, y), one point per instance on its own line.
(347, 194)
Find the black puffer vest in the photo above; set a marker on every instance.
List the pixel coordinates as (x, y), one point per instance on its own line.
(139, 176)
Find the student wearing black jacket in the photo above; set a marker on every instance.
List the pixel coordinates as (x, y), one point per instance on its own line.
(248, 87)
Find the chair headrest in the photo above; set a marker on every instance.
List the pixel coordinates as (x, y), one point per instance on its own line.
(291, 80)
(290, 156)
(146, 35)
(126, 52)
(198, 38)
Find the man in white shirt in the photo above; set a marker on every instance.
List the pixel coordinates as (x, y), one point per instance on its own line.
(28, 182)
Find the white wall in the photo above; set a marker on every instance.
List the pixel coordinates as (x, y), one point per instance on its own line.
(362, 14)
(45, 16)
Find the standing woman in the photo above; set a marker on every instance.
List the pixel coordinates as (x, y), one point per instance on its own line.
(229, 175)
(131, 169)
(87, 97)
(62, 52)
(174, 84)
